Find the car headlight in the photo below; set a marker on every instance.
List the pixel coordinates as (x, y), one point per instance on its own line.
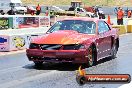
(33, 46)
(73, 47)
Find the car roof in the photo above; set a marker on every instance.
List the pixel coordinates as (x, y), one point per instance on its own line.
(81, 18)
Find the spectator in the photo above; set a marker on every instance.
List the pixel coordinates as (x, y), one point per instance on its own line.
(2, 12)
(100, 13)
(38, 9)
(11, 12)
(47, 11)
(120, 15)
(129, 13)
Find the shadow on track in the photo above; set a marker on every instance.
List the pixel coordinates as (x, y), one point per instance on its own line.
(54, 66)
(104, 60)
(62, 66)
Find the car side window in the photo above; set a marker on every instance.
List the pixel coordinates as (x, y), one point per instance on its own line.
(102, 27)
(107, 28)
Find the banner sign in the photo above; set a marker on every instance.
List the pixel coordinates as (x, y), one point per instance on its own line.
(4, 43)
(27, 22)
(4, 23)
(17, 42)
(44, 21)
(16, 22)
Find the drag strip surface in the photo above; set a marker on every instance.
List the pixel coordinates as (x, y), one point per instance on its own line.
(17, 72)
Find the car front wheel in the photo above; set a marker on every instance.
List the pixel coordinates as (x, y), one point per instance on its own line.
(91, 56)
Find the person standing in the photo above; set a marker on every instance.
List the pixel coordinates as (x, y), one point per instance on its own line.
(129, 13)
(38, 9)
(2, 12)
(120, 15)
(11, 12)
(47, 11)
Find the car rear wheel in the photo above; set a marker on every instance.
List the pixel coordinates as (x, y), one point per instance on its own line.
(114, 51)
(38, 63)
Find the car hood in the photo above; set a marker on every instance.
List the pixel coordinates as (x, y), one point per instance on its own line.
(62, 37)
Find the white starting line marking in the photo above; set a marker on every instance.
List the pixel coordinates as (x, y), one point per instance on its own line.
(11, 69)
(27, 79)
(129, 85)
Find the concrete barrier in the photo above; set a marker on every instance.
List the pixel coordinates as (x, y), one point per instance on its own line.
(122, 29)
(15, 39)
(129, 26)
(14, 42)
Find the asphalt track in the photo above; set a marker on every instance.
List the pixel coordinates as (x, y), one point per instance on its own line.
(17, 72)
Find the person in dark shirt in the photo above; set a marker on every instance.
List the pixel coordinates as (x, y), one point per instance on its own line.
(2, 12)
(11, 12)
(120, 15)
(38, 9)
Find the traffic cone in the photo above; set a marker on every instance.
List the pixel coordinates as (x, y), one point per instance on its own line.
(109, 21)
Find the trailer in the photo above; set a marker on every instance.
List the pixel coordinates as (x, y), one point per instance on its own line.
(6, 5)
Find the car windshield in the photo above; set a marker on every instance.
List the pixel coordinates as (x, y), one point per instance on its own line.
(87, 27)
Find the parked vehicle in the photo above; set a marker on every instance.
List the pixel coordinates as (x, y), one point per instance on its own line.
(74, 10)
(76, 40)
(56, 9)
(30, 10)
(6, 5)
(80, 12)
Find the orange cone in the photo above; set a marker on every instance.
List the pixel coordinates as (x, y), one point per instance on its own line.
(108, 21)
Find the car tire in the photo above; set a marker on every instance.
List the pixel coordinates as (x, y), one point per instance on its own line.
(38, 63)
(114, 51)
(91, 56)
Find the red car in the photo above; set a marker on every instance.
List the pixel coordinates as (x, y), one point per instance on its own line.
(76, 40)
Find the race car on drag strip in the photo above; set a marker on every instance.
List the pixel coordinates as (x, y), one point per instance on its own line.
(77, 40)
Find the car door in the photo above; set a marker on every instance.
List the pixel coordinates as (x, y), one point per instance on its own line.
(104, 40)
(108, 39)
